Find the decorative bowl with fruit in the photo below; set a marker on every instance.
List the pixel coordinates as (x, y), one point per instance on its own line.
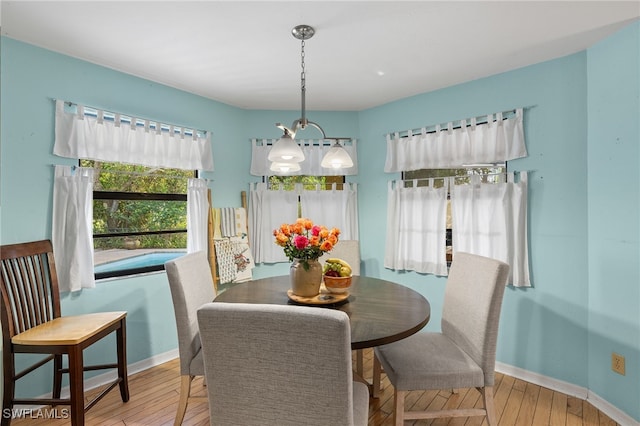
(336, 275)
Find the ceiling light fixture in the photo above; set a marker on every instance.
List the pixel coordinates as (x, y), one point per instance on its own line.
(286, 152)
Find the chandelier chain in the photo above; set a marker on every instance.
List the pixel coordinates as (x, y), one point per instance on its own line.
(302, 73)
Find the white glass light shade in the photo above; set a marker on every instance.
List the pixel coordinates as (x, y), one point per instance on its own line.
(286, 150)
(337, 158)
(280, 167)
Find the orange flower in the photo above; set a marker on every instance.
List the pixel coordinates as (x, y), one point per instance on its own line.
(326, 246)
(281, 239)
(304, 240)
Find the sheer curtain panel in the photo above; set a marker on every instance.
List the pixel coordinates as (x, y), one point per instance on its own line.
(72, 233)
(416, 228)
(100, 135)
(490, 219)
(314, 151)
(197, 215)
(333, 208)
(267, 211)
(455, 144)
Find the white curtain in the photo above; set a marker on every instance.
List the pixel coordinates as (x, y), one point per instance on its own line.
(416, 228)
(197, 215)
(99, 135)
(490, 219)
(455, 144)
(333, 208)
(267, 211)
(72, 233)
(314, 151)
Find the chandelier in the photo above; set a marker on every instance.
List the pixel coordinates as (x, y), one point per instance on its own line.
(285, 154)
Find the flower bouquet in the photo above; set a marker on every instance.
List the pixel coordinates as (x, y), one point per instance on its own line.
(305, 241)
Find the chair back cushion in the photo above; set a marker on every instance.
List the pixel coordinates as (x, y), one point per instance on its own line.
(191, 286)
(28, 286)
(471, 309)
(348, 250)
(277, 364)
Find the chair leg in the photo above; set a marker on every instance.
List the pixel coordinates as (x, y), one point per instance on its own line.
(76, 385)
(8, 390)
(360, 362)
(489, 405)
(57, 376)
(185, 393)
(398, 407)
(121, 338)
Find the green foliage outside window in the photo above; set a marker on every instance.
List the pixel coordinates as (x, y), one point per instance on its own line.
(131, 210)
(308, 182)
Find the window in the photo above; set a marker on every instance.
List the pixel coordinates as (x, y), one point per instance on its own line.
(139, 217)
(308, 182)
(487, 172)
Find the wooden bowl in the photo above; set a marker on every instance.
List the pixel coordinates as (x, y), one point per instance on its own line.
(337, 284)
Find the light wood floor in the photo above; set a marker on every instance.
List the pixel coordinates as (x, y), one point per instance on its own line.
(154, 398)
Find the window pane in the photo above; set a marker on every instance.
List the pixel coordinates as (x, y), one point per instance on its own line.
(139, 217)
(309, 182)
(126, 216)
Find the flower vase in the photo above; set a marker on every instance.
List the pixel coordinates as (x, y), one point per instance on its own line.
(306, 277)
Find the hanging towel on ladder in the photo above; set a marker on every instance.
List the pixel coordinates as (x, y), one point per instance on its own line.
(228, 221)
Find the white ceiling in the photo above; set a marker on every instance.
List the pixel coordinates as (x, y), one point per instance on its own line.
(364, 53)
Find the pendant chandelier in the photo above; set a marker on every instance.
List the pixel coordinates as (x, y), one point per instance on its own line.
(286, 153)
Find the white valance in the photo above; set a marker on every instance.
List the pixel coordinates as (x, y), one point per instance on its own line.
(479, 140)
(313, 149)
(94, 134)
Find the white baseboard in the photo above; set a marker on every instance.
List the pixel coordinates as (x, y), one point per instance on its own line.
(570, 389)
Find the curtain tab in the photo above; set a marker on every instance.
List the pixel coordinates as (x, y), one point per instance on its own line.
(80, 109)
(100, 116)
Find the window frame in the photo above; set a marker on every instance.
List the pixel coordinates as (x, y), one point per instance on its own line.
(134, 196)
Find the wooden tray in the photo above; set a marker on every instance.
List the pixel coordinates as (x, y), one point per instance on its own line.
(319, 299)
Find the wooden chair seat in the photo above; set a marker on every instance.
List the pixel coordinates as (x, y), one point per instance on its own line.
(69, 330)
(32, 323)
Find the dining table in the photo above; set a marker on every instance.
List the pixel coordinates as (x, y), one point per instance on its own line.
(379, 311)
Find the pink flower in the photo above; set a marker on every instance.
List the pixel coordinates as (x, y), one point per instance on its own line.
(315, 231)
(300, 241)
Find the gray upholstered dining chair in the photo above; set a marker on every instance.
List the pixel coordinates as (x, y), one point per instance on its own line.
(191, 286)
(463, 354)
(348, 250)
(280, 365)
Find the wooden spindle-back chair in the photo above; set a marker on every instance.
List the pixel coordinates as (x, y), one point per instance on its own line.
(32, 323)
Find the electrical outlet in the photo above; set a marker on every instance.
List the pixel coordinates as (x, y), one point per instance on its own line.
(617, 363)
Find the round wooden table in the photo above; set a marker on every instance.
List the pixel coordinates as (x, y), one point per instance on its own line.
(380, 311)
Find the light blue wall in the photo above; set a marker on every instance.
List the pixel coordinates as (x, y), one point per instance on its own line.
(551, 329)
(613, 74)
(543, 329)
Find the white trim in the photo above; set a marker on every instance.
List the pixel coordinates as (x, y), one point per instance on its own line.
(570, 389)
(612, 411)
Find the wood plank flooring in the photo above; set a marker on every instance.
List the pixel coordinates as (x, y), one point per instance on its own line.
(155, 393)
